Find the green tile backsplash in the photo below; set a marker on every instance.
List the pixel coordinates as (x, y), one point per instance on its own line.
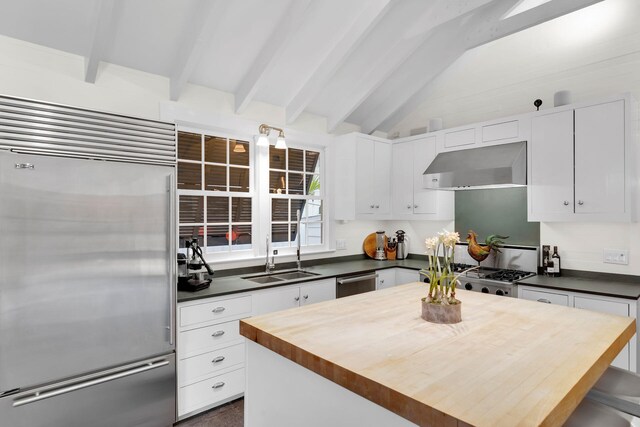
(496, 211)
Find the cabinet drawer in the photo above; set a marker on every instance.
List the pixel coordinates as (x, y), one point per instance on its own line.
(211, 391)
(207, 364)
(500, 131)
(545, 297)
(459, 138)
(205, 339)
(216, 310)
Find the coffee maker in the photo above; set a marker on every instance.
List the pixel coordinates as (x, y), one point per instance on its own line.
(401, 249)
(193, 269)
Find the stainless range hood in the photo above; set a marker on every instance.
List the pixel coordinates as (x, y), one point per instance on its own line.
(486, 167)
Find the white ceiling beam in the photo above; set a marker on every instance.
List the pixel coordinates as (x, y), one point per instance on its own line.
(270, 53)
(366, 20)
(388, 62)
(102, 27)
(486, 28)
(196, 41)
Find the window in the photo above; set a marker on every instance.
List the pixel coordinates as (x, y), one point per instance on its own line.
(215, 195)
(294, 185)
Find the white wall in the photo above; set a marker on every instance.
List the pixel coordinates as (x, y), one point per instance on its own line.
(594, 52)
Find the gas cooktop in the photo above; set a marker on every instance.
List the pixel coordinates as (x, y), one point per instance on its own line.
(489, 273)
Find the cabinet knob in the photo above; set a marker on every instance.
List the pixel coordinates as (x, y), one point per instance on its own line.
(297, 298)
(306, 297)
(218, 359)
(371, 206)
(415, 206)
(217, 334)
(566, 203)
(434, 179)
(377, 206)
(408, 206)
(580, 202)
(381, 280)
(218, 385)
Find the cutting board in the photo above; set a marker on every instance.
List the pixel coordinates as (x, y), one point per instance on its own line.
(369, 245)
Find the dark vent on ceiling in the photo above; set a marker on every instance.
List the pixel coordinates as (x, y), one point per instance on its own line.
(41, 127)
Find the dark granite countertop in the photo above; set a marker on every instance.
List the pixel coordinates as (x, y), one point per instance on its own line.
(228, 282)
(612, 285)
(234, 284)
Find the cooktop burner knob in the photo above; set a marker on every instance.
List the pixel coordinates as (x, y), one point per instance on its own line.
(485, 290)
(468, 286)
(500, 292)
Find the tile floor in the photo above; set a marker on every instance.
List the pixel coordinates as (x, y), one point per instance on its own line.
(227, 415)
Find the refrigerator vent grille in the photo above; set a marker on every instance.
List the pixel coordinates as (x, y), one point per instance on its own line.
(41, 127)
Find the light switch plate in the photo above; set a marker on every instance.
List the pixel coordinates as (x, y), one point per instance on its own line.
(616, 256)
(341, 244)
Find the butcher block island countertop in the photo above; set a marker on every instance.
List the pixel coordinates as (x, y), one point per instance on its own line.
(509, 362)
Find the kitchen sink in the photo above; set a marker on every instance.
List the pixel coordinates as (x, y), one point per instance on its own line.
(263, 279)
(280, 277)
(295, 275)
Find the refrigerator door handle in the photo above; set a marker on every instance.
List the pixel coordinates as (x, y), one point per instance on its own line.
(171, 202)
(79, 386)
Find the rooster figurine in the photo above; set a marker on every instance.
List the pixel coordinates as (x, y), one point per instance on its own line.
(481, 252)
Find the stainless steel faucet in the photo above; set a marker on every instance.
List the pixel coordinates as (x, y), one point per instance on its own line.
(270, 265)
(298, 248)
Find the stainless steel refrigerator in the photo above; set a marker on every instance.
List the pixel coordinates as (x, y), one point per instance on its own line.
(87, 294)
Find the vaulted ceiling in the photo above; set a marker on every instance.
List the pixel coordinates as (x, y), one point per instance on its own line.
(365, 62)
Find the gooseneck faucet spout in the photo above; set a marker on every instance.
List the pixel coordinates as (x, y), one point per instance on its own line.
(270, 265)
(298, 248)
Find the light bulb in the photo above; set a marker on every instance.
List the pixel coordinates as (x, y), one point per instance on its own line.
(280, 143)
(263, 140)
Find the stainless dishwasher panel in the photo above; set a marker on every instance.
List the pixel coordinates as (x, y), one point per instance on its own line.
(139, 394)
(352, 285)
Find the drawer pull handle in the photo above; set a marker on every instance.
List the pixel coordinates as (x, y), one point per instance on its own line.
(218, 310)
(544, 300)
(217, 334)
(218, 359)
(218, 385)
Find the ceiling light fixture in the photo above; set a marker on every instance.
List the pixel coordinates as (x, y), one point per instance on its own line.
(263, 139)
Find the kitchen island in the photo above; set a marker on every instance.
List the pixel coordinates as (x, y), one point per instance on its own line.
(371, 360)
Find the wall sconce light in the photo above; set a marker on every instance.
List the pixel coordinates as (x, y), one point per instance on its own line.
(263, 139)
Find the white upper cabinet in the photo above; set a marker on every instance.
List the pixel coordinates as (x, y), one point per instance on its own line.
(551, 157)
(362, 177)
(410, 200)
(492, 132)
(581, 163)
(599, 159)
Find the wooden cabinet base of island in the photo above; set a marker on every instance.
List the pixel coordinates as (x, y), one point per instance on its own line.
(369, 359)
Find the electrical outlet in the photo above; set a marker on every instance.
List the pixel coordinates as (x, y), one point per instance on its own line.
(341, 244)
(616, 256)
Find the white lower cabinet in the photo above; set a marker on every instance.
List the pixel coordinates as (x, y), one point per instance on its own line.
(405, 275)
(210, 352)
(210, 349)
(386, 278)
(396, 276)
(281, 298)
(627, 358)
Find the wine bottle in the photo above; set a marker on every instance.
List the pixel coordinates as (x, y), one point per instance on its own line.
(550, 270)
(556, 262)
(545, 257)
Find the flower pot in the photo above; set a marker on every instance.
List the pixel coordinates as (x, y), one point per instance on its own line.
(441, 313)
